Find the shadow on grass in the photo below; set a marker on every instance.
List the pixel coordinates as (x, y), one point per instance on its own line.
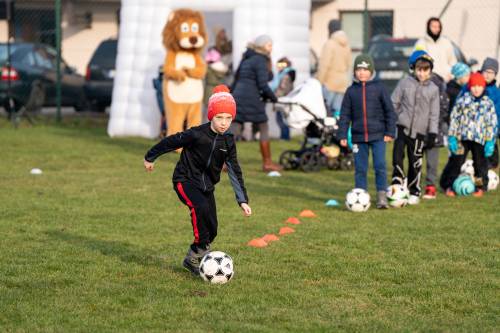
(125, 252)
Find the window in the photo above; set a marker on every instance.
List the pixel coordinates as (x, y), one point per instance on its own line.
(379, 23)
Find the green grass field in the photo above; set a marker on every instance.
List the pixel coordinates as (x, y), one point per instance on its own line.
(95, 244)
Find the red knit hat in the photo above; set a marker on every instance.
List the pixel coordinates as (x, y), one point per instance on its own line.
(476, 79)
(221, 101)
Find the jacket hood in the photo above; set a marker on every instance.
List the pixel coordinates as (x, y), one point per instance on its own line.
(253, 49)
(340, 37)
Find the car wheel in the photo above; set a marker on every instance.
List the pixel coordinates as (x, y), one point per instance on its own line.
(82, 104)
(98, 107)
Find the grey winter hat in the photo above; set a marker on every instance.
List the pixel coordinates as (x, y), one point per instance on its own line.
(490, 63)
(262, 40)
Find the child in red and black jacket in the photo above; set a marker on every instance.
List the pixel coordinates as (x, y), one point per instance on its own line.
(367, 107)
(205, 150)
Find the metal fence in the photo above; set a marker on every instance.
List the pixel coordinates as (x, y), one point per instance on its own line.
(71, 31)
(61, 38)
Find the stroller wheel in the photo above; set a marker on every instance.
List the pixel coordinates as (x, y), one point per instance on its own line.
(347, 163)
(310, 161)
(289, 160)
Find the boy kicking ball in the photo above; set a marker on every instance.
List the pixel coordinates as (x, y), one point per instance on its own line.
(205, 150)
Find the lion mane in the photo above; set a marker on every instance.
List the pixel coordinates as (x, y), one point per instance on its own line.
(173, 31)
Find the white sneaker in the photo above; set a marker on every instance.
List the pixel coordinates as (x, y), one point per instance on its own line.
(414, 200)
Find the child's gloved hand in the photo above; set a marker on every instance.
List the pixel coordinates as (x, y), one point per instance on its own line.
(349, 137)
(453, 144)
(489, 148)
(431, 140)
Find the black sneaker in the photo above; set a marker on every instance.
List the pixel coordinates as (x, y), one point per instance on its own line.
(191, 266)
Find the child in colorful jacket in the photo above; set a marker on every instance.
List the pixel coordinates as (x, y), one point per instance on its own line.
(473, 124)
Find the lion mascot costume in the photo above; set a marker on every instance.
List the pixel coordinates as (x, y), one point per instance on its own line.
(184, 37)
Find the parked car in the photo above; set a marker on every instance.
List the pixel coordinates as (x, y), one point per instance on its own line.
(33, 77)
(391, 58)
(100, 75)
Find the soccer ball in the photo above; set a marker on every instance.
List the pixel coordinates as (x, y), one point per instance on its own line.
(464, 185)
(492, 180)
(398, 195)
(216, 267)
(357, 200)
(468, 168)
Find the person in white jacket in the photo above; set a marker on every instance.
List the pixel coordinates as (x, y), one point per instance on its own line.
(439, 48)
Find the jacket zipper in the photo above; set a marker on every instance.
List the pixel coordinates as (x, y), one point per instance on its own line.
(208, 163)
(365, 121)
(413, 113)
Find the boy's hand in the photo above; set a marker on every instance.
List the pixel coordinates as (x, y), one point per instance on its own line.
(343, 142)
(149, 166)
(388, 138)
(247, 211)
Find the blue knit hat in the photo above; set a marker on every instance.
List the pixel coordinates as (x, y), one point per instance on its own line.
(460, 70)
(419, 55)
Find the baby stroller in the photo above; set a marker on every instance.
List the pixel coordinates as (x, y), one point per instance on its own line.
(304, 108)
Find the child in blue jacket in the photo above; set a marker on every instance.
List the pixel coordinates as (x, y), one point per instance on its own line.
(489, 70)
(367, 107)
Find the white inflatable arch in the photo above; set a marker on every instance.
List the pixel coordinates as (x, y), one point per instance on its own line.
(134, 109)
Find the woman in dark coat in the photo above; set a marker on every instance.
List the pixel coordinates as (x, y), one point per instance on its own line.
(251, 91)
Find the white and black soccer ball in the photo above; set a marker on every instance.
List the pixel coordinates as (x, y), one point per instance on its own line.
(357, 200)
(217, 267)
(492, 180)
(468, 168)
(397, 195)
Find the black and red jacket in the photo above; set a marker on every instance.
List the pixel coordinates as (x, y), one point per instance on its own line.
(203, 155)
(368, 108)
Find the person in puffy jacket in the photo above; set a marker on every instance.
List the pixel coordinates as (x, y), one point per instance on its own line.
(473, 124)
(416, 102)
(251, 91)
(368, 109)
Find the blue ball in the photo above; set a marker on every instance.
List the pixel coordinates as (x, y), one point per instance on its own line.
(464, 185)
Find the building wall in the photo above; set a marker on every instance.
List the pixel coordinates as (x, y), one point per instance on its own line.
(78, 40)
(472, 25)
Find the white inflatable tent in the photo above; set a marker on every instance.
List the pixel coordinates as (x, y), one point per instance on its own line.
(134, 109)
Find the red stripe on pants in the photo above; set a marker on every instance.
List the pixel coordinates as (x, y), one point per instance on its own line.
(193, 213)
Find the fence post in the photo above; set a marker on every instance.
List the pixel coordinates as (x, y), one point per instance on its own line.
(58, 61)
(365, 28)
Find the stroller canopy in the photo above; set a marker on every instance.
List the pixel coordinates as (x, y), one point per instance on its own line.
(304, 104)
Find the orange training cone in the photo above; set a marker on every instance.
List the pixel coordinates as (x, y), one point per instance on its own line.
(293, 220)
(286, 230)
(307, 213)
(270, 238)
(257, 242)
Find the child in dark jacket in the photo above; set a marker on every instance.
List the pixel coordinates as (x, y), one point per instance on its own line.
(473, 124)
(416, 101)
(489, 70)
(432, 148)
(368, 108)
(205, 149)
(457, 86)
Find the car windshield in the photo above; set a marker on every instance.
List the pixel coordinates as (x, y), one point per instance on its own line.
(391, 50)
(105, 54)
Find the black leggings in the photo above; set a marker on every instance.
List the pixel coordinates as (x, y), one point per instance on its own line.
(452, 169)
(203, 212)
